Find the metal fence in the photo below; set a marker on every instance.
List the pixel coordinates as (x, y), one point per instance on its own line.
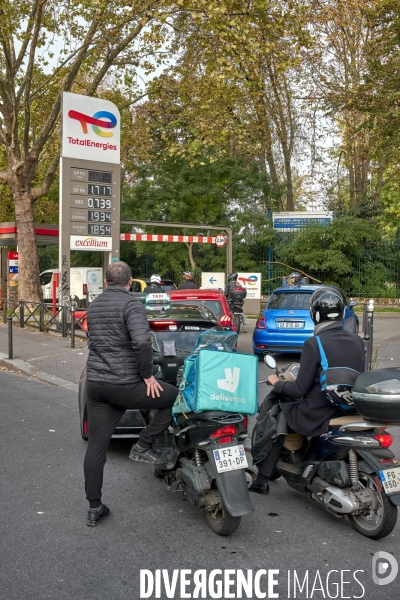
(42, 316)
(374, 273)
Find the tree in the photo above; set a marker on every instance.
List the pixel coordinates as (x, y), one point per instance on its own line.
(52, 46)
(212, 190)
(332, 250)
(337, 67)
(234, 84)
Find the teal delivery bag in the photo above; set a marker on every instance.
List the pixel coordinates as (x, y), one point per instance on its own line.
(226, 381)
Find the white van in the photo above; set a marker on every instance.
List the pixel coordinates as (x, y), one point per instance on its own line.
(85, 282)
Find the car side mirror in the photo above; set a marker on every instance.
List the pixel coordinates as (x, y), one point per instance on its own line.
(353, 303)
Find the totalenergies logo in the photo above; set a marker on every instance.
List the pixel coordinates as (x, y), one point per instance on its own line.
(252, 280)
(96, 121)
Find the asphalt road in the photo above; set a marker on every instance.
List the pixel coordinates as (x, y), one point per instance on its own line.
(48, 552)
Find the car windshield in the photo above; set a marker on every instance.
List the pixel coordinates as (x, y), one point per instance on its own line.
(214, 305)
(184, 341)
(299, 300)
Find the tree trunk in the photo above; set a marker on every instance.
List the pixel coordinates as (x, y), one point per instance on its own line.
(289, 180)
(380, 179)
(28, 260)
(191, 259)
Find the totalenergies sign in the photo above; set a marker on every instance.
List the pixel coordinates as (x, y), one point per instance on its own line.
(90, 128)
(252, 283)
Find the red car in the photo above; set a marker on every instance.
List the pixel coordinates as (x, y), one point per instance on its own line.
(214, 300)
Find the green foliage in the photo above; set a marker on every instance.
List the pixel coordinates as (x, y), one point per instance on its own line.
(333, 249)
(214, 190)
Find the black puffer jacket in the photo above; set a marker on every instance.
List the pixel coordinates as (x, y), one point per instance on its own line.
(120, 347)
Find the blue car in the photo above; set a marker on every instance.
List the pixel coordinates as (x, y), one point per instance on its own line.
(286, 324)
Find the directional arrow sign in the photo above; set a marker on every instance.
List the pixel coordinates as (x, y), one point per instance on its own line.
(213, 280)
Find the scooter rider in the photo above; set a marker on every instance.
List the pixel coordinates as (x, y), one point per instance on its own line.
(294, 278)
(311, 414)
(154, 287)
(233, 282)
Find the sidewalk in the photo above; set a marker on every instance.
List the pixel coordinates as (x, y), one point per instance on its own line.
(47, 357)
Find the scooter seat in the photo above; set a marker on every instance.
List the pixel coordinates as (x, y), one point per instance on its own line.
(346, 420)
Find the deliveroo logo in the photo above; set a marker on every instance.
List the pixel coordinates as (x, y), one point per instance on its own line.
(231, 381)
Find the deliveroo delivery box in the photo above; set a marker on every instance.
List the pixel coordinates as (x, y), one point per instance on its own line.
(226, 381)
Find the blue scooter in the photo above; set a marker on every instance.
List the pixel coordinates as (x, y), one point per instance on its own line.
(350, 469)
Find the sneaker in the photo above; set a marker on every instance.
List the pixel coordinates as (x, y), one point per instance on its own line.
(260, 488)
(244, 329)
(95, 516)
(147, 455)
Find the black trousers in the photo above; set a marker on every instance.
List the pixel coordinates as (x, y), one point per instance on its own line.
(106, 405)
(268, 465)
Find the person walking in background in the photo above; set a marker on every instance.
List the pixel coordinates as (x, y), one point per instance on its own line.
(188, 283)
(120, 376)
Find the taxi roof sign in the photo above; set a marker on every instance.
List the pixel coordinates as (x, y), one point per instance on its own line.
(160, 298)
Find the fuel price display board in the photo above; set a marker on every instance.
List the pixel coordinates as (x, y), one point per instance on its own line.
(93, 204)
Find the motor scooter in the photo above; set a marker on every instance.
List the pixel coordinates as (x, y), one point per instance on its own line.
(350, 469)
(204, 458)
(235, 297)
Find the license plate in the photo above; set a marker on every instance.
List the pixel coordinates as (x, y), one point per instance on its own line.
(230, 459)
(390, 480)
(291, 325)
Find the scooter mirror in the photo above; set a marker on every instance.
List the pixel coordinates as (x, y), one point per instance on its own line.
(271, 362)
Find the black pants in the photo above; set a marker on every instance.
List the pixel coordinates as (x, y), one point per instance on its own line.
(268, 464)
(106, 405)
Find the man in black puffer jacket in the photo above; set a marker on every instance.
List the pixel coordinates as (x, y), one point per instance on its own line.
(120, 376)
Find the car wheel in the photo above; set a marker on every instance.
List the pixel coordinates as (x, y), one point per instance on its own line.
(259, 356)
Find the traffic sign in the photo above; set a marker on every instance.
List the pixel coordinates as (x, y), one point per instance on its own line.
(220, 240)
(213, 281)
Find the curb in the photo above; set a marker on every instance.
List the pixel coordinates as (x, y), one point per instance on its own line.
(25, 368)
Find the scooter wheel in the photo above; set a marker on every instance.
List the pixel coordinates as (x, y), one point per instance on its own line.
(382, 521)
(221, 522)
(238, 323)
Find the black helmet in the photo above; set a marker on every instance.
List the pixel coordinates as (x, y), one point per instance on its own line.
(296, 276)
(232, 277)
(326, 305)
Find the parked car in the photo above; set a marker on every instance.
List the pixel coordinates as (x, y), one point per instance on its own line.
(214, 300)
(86, 283)
(138, 285)
(286, 324)
(175, 330)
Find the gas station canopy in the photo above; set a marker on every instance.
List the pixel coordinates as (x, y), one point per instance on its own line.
(46, 235)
